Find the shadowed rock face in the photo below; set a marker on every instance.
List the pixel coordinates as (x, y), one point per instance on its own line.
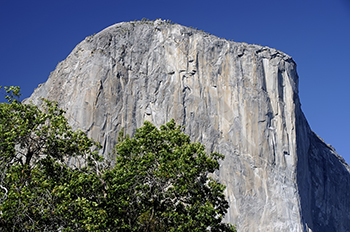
(238, 99)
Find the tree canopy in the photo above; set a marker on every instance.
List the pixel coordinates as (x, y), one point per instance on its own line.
(39, 154)
(161, 180)
(53, 179)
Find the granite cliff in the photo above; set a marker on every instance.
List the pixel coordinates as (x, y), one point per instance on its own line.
(238, 99)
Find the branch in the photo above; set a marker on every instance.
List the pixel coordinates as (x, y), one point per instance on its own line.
(5, 195)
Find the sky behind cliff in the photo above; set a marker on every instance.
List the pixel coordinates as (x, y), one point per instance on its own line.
(36, 35)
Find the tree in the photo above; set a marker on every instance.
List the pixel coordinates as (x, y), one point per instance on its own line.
(29, 134)
(160, 183)
(52, 178)
(36, 146)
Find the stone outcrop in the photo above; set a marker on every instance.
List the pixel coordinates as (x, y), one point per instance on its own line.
(238, 99)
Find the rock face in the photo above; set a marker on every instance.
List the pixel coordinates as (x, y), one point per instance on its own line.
(238, 99)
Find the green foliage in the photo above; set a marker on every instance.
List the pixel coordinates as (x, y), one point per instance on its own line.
(160, 183)
(52, 178)
(150, 22)
(28, 134)
(36, 145)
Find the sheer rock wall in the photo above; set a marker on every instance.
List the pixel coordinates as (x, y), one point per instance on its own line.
(238, 99)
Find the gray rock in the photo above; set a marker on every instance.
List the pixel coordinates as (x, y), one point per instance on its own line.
(238, 99)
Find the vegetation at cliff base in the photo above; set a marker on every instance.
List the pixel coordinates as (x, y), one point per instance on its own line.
(161, 179)
(53, 179)
(40, 166)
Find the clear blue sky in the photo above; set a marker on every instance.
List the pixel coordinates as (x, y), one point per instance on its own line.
(36, 35)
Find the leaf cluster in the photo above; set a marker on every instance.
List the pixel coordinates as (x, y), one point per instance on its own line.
(161, 183)
(39, 153)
